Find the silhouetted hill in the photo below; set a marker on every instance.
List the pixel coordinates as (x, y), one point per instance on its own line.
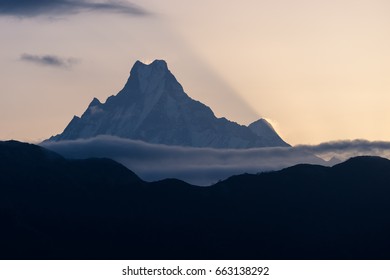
(20, 162)
(53, 208)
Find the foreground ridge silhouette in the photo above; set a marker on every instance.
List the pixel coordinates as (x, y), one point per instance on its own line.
(55, 208)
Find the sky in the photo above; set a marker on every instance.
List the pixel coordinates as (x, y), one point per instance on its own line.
(317, 70)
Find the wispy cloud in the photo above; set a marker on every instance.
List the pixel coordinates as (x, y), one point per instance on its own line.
(345, 149)
(49, 60)
(33, 8)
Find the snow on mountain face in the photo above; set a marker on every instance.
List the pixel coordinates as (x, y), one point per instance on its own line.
(153, 107)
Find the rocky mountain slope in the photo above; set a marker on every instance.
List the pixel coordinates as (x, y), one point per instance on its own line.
(154, 108)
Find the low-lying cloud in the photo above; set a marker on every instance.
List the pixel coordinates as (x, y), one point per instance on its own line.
(49, 60)
(345, 149)
(34, 8)
(205, 166)
(202, 166)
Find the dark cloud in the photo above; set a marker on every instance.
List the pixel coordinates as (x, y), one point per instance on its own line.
(49, 60)
(33, 8)
(202, 166)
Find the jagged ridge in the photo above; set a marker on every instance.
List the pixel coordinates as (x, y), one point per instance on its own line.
(153, 107)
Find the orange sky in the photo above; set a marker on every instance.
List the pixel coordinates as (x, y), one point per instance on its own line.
(317, 69)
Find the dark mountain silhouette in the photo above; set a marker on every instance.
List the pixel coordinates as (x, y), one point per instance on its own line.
(53, 208)
(154, 108)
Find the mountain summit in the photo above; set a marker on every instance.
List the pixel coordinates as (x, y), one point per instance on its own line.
(154, 108)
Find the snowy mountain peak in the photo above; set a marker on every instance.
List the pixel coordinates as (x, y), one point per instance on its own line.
(157, 63)
(151, 79)
(153, 107)
(144, 71)
(263, 128)
(258, 126)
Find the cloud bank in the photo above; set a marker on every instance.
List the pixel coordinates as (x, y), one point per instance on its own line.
(205, 166)
(348, 148)
(201, 166)
(49, 60)
(34, 8)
